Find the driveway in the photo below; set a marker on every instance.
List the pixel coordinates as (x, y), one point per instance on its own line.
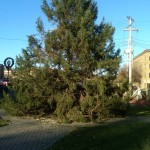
(30, 134)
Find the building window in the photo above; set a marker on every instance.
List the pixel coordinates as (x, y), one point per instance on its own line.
(149, 75)
(149, 57)
(149, 66)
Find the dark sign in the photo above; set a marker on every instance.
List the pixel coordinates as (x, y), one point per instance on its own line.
(8, 62)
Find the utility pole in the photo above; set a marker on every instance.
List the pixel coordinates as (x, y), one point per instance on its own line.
(129, 50)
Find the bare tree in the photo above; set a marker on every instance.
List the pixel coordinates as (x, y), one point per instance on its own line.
(123, 74)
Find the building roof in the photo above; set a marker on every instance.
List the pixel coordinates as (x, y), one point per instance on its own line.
(145, 51)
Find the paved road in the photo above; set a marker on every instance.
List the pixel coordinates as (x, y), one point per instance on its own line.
(30, 134)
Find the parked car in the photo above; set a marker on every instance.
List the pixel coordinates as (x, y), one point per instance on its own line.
(4, 82)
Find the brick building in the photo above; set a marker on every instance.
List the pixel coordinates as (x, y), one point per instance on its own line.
(142, 62)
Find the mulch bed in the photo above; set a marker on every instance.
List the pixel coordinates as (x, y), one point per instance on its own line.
(140, 102)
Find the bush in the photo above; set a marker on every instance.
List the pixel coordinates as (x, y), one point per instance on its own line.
(101, 101)
(64, 103)
(70, 100)
(117, 106)
(11, 106)
(75, 115)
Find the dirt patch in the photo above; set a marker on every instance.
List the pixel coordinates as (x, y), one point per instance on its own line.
(140, 102)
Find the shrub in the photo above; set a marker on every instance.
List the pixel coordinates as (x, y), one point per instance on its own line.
(64, 103)
(75, 115)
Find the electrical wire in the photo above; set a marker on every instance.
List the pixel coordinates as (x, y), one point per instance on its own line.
(9, 39)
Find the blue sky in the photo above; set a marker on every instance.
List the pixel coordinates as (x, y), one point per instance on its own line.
(18, 17)
(116, 12)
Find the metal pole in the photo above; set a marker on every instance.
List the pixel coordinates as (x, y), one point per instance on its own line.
(130, 55)
(130, 29)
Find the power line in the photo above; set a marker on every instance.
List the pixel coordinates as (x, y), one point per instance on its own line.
(9, 39)
(142, 40)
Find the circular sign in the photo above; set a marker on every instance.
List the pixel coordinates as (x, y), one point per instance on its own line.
(8, 62)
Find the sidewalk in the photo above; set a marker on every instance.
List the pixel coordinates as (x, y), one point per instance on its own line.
(30, 134)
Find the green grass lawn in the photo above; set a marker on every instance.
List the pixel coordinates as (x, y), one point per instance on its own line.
(113, 136)
(129, 136)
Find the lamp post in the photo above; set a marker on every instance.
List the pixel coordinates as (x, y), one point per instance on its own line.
(8, 68)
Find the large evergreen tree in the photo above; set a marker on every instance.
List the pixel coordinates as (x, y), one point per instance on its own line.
(71, 69)
(78, 44)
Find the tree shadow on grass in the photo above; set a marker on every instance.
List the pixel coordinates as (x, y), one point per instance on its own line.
(120, 136)
(139, 111)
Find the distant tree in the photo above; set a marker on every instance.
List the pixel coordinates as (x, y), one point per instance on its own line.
(123, 74)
